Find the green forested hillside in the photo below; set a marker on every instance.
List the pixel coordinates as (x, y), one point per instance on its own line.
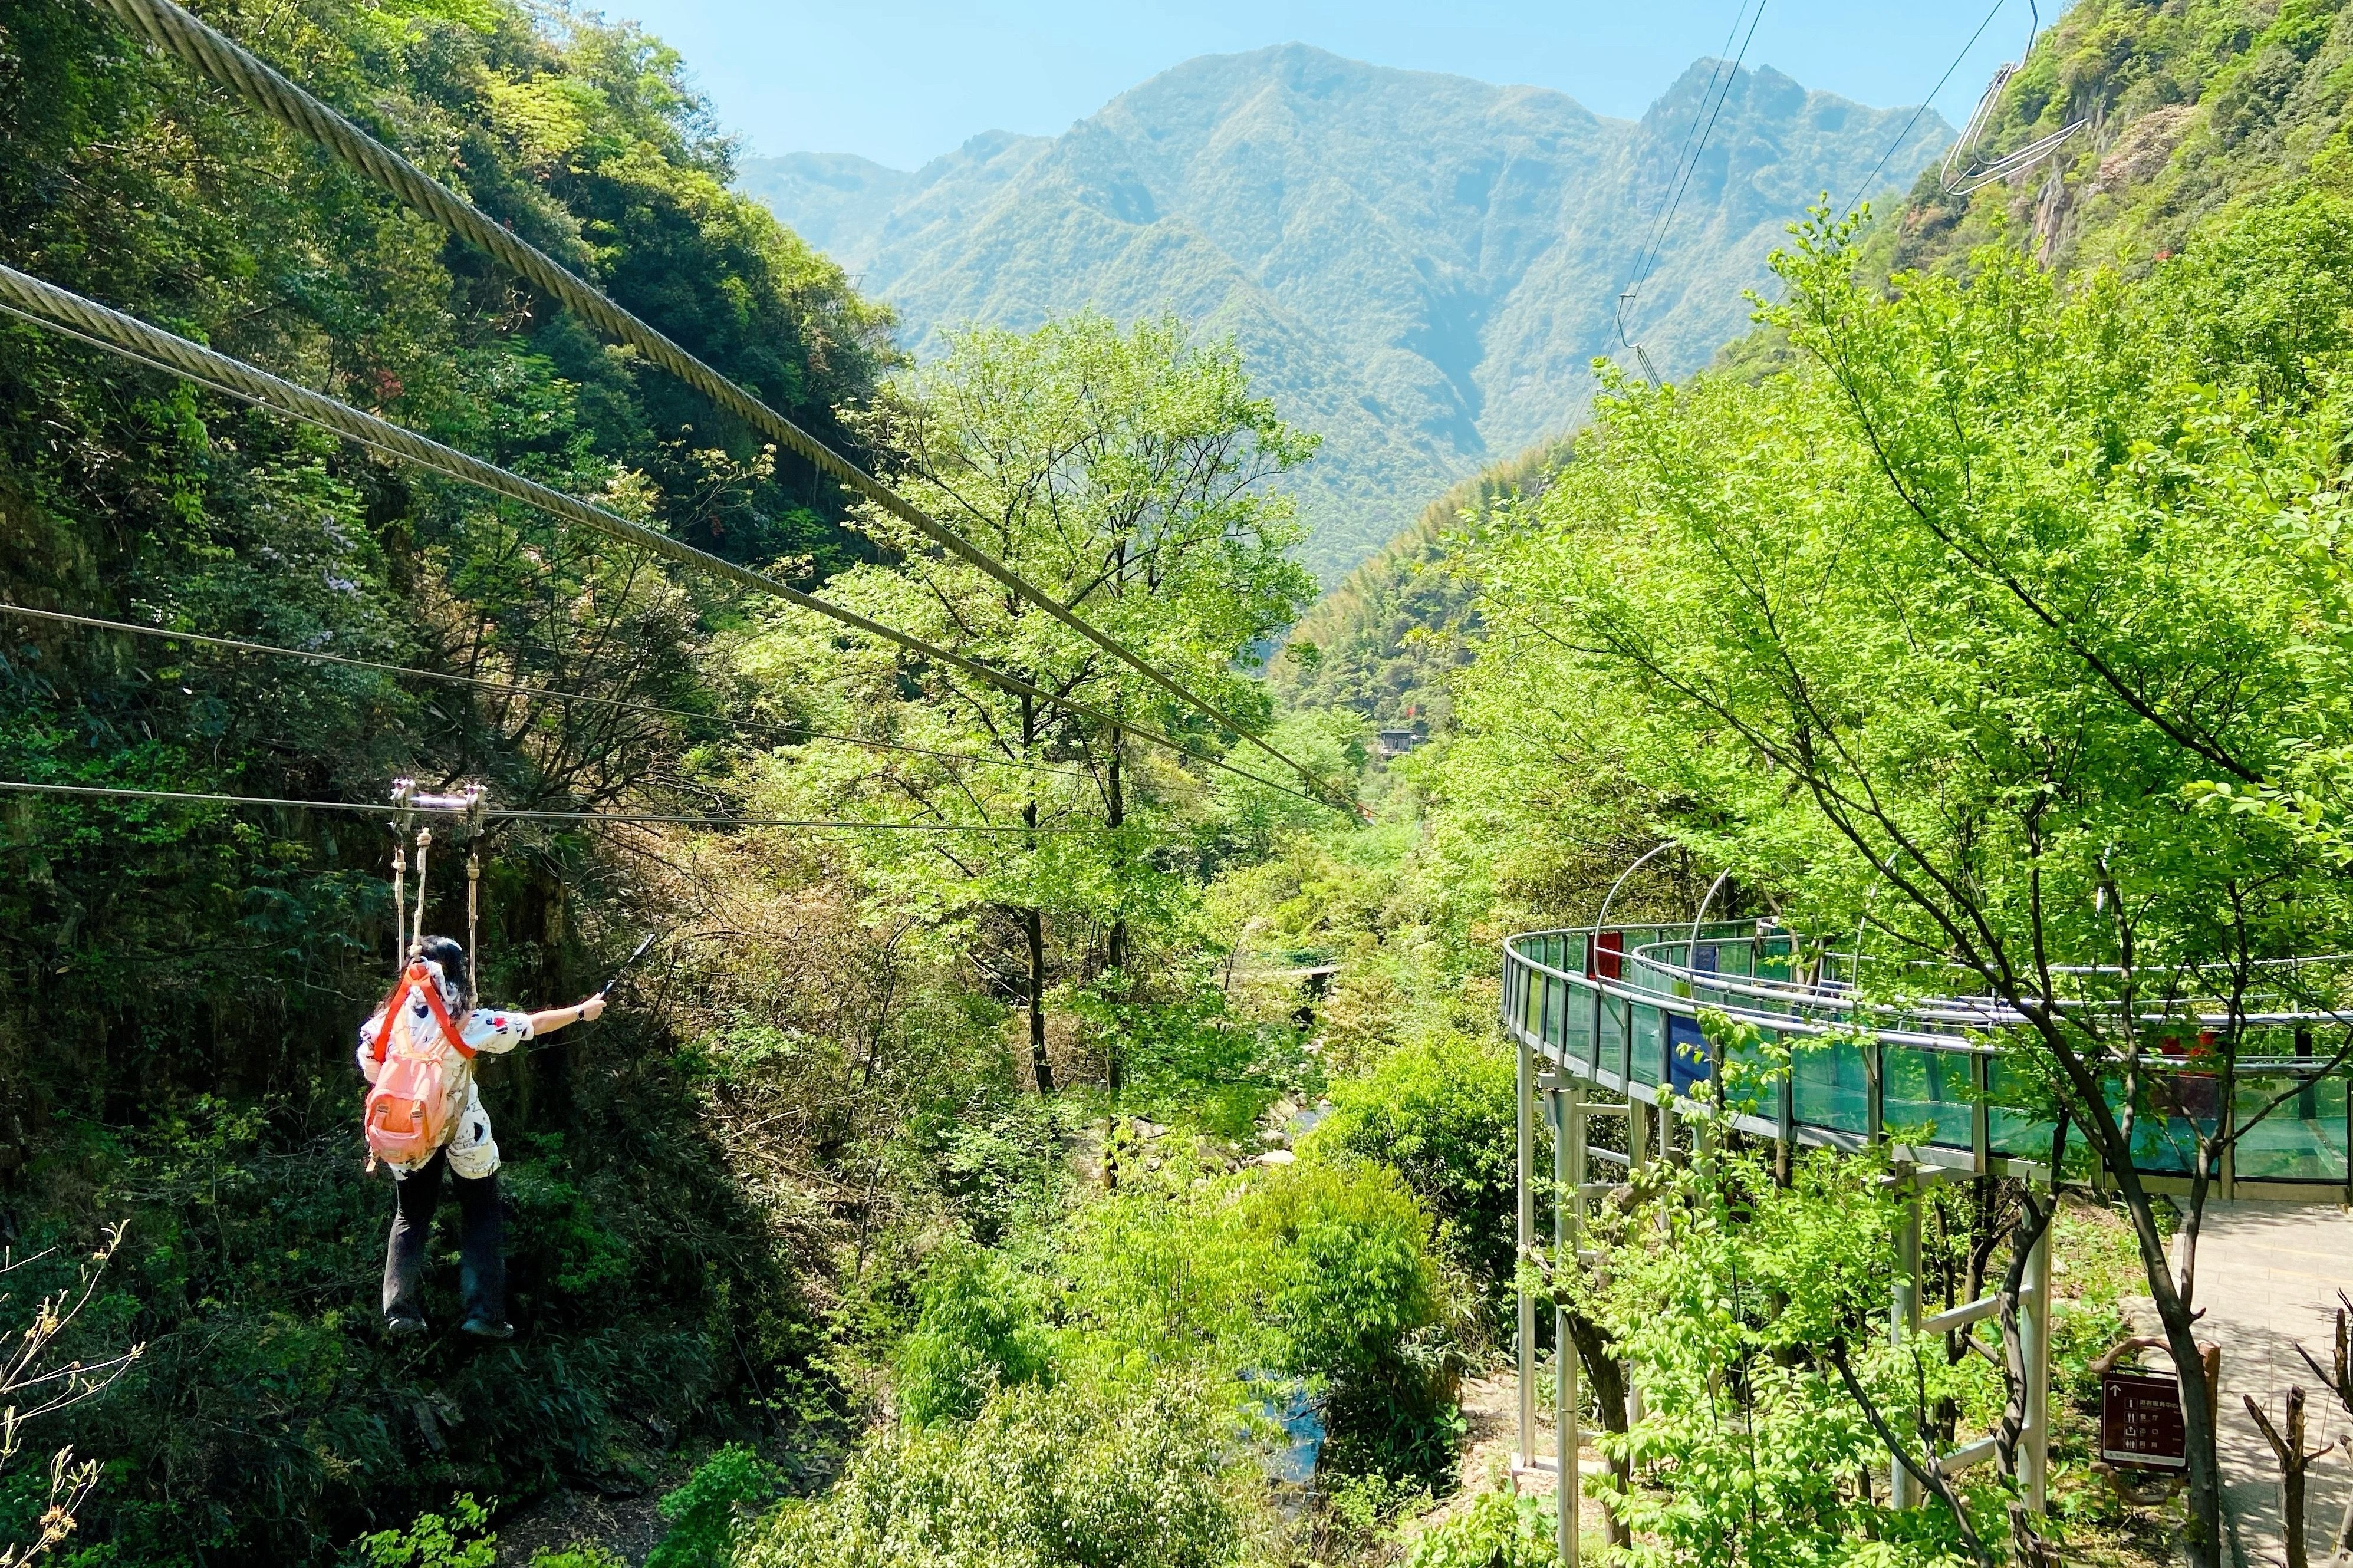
(182, 982)
(1421, 267)
(1380, 645)
(1982, 610)
(739, 1207)
(2189, 110)
(1057, 1126)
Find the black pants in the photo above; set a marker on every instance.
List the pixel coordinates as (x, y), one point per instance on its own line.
(414, 1198)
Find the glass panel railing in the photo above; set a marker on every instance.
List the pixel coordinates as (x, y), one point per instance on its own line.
(1616, 1032)
(2302, 1135)
(1691, 1062)
(1642, 1065)
(2301, 1139)
(1927, 1095)
(1830, 1088)
(1653, 972)
(2167, 1123)
(2013, 1128)
(1579, 1040)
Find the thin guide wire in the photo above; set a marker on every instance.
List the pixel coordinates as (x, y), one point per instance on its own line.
(786, 734)
(193, 797)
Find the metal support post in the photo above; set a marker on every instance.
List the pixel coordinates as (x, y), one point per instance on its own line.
(1786, 1140)
(1637, 1159)
(1524, 1345)
(1567, 1235)
(1904, 1316)
(2034, 1356)
(1981, 1114)
(1593, 973)
(1874, 1107)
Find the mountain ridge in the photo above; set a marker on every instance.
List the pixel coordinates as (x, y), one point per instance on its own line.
(1420, 267)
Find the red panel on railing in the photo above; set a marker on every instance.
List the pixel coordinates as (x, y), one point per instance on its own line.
(1605, 955)
(2196, 1095)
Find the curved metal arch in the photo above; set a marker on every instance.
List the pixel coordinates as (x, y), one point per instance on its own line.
(1969, 179)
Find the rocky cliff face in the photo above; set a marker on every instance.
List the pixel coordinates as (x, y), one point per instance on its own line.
(1420, 267)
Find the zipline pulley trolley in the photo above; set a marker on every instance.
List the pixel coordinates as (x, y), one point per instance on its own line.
(468, 810)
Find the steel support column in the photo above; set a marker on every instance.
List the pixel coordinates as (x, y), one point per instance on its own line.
(1904, 1316)
(1637, 1159)
(1567, 1235)
(1525, 1342)
(2034, 1357)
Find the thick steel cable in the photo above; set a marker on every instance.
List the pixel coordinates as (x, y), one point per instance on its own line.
(29, 786)
(787, 734)
(263, 88)
(47, 305)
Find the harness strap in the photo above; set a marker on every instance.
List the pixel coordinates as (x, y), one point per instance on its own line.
(418, 978)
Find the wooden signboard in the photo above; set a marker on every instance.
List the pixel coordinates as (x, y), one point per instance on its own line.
(2140, 1420)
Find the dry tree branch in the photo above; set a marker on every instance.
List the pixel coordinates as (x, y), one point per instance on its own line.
(27, 1370)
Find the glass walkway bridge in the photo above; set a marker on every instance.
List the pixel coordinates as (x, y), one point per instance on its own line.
(1620, 1009)
(1608, 1021)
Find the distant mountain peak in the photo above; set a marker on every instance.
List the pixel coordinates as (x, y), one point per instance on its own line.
(1420, 265)
(1753, 90)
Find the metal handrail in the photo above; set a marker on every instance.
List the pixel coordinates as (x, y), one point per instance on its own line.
(1619, 1033)
(1804, 1003)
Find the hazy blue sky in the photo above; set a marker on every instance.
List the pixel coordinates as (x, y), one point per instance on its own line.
(903, 80)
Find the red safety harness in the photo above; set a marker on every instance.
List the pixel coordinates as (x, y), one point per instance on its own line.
(419, 979)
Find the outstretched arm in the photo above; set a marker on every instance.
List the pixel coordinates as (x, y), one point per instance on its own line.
(555, 1018)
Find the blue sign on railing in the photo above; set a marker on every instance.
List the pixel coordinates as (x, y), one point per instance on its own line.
(1690, 1060)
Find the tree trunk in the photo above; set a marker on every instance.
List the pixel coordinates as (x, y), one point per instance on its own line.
(1041, 1067)
(1606, 1375)
(1033, 921)
(1116, 953)
(2293, 1463)
(2202, 1539)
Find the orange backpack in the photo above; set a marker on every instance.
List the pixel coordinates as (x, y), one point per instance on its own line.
(408, 1113)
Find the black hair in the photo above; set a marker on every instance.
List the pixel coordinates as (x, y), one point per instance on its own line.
(445, 952)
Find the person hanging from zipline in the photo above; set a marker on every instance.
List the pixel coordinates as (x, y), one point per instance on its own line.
(423, 1115)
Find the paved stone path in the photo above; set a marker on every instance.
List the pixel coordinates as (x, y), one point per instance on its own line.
(2268, 1276)
(1490, 1411)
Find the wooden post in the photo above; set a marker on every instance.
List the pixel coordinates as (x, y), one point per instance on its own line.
(2293, 1462)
